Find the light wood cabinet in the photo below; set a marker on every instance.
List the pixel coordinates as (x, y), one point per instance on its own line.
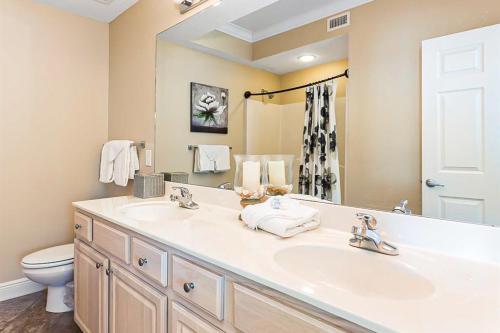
(150, 261)
(185, 321)
(113, 241)
(91, 289)
(83, 226)
(256, 313)
(135, 306)
(124, 281)
(198, 285)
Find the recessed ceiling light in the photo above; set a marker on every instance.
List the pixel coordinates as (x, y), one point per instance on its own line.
(307, 57)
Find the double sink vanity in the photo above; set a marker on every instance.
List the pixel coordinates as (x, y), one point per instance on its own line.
(152, 266)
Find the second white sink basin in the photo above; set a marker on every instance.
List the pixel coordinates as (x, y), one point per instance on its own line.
(155, 211)
(363, 273)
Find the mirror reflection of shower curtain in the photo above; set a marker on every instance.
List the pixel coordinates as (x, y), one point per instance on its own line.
(319, 164)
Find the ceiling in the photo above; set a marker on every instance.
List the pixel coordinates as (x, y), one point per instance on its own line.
(284, 15)
(258, 19)
(326, 51)
(100, 10)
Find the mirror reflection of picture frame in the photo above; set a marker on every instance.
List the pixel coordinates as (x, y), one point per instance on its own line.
(209, 109)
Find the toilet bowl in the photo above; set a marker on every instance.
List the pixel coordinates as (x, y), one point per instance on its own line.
(52, 267)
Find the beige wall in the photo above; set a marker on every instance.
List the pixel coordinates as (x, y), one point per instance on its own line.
(132, 55)
(53, 120)
(227, 44)
(177, 67)
(312, 74)
(268, 135)
(384, 88)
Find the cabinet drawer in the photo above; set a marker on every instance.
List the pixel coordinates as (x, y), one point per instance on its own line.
(256, 313)
(83, 226)
(184, 320)
(198, 285)
(113, 241)
(150, 260)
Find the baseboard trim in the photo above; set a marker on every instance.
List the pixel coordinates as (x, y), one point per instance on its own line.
(17, 288)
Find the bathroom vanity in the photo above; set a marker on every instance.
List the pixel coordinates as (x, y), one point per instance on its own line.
(127, 281)
(151, 266)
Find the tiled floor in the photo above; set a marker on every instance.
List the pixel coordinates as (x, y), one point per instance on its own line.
(27, 314)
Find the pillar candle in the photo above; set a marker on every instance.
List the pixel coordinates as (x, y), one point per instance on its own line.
(251, 175)
(276, 173)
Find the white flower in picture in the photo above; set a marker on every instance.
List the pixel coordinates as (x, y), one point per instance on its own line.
(208, 108)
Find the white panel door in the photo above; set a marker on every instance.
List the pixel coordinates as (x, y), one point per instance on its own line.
(461, 126)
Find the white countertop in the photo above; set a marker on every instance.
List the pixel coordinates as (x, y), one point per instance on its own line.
(465, 296)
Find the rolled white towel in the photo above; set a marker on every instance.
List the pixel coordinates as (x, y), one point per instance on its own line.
(281, 216)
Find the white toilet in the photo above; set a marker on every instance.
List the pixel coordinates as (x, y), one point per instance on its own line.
(52, 267)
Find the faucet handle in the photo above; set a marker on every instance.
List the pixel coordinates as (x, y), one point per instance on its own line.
(368, 220)
(184, 191)
(358, 232)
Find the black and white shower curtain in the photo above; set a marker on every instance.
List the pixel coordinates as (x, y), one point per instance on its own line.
(319, 164)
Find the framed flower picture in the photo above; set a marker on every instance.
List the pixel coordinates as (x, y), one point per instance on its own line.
(209, 109)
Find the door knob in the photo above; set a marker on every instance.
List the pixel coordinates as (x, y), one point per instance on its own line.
(432, 183)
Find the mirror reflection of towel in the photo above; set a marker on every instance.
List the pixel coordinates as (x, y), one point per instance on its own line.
(211, 158)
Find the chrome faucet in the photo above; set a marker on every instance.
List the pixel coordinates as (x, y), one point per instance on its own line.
(185, 200)
(402, 208)
(366, 237)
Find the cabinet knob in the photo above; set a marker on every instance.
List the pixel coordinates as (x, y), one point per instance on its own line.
(98, 265)
(188, 286)
(142, 261)
(77, 226)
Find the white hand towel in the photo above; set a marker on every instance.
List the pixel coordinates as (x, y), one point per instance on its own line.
(215, 158)
(134, 162)
(115, 162)
(291, 218)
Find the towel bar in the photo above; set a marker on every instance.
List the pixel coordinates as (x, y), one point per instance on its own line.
(191, 147)
(139, 145)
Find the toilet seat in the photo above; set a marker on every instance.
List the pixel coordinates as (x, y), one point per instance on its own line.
(50, 257)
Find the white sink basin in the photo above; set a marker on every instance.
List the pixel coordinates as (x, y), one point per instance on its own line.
(155, 211)
(360, 272)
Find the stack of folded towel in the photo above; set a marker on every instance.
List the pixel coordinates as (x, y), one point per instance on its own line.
(281, 216)
(211, 158)
(119, 162)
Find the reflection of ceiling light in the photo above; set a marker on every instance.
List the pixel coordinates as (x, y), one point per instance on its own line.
(215, 4)
(307, 57)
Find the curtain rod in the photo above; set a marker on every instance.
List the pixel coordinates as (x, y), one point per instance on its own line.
(248, 93)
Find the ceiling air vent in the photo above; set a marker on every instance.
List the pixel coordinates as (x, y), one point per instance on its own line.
(338, 21)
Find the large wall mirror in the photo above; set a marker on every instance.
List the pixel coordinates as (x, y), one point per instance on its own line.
(409, 123)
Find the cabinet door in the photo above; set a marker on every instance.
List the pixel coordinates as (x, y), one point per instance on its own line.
(91, 289)
(257, 313)
(135, 306)
(184, 321)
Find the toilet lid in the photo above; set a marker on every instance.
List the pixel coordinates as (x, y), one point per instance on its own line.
(53, 256)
